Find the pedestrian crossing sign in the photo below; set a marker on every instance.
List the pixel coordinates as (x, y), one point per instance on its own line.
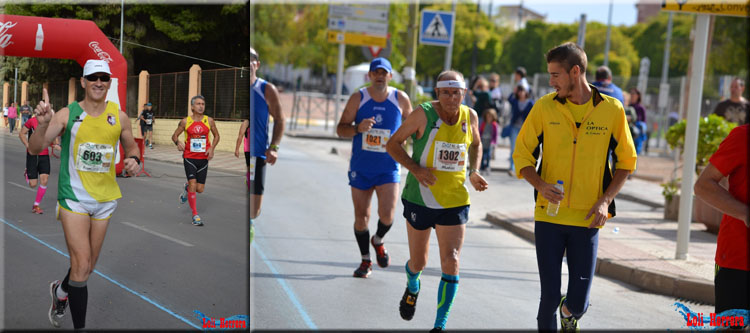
(437, 28)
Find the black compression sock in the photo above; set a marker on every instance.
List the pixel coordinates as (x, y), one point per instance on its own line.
(382, 229)
(363, 240)
(78, 300)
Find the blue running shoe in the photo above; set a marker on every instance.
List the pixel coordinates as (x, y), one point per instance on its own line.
(183, 195)
(197, 221)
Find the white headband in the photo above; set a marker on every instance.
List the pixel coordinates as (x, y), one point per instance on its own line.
(451, 84)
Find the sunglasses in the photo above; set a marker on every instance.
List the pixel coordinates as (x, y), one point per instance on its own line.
(93, 78)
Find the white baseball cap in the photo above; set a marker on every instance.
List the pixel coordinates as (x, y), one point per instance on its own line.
(96, 66)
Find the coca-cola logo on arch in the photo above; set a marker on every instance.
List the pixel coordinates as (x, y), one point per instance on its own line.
(94, 45)
(5, 37)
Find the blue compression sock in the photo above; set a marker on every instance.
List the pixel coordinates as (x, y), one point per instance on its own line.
(446, 293)
(412, 279)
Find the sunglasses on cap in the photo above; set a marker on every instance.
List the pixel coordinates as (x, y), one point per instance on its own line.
(93, 77)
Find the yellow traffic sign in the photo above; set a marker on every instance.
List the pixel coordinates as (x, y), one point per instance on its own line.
(351, 38)
(713, 7)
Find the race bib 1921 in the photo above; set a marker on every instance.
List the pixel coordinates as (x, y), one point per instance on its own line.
(375, 139)
(449, 156)
(94, 157)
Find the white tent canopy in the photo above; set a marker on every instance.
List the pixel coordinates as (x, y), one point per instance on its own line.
(356, 76)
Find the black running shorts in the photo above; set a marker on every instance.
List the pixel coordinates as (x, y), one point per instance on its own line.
(258, 179)
(196, 169)
(423, 218)
(37, 164)
(732, 289)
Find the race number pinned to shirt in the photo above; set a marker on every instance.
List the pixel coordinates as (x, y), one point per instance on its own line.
(375, 139)
(252, 168)
(148, 121)
(198, 145)
(94, 157)
(449, 156)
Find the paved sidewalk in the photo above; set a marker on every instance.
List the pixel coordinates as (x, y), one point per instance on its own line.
(222, 160)
(634, 247)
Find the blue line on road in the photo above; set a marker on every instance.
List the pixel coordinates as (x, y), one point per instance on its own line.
(105, 276)
(287, 289)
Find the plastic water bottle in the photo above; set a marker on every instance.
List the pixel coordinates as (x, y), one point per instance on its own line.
(553, 208)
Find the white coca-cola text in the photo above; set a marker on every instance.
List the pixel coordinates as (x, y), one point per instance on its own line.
(4, 35)
(99, 52)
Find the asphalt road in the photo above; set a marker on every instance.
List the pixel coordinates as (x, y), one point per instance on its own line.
(155, 269)
(304, 253)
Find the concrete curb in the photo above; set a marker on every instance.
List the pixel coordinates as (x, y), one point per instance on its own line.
(320, 136)
(658, 282)
(634, 198)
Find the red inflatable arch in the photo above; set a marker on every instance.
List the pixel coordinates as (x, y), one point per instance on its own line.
(42, 37)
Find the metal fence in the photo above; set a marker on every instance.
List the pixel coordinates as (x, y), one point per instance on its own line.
(227, 93)
(168, 93)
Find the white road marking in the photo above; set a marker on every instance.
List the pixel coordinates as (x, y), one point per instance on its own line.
(158, 234)
(23, 187)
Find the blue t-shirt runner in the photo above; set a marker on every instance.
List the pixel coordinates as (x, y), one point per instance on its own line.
(258, 119)
(370, 164)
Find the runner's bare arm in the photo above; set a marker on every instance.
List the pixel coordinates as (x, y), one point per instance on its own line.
(241, 137)
(128, 144)
(22, 135)
(49, 124)
(46, 133)
(274, 108)
(475, 154)
(415, 123)
(215, 143)
(176, 136)
(707, 188)
(346, 128)
(405, 103)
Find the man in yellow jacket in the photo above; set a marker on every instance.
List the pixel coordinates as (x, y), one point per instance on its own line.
(587, 148)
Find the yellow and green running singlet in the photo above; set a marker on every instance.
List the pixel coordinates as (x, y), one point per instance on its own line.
(87, 159)
(445, 148)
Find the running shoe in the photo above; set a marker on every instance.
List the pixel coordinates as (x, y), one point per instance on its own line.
(197, 221)
(57, 309)
(26, 176)
(381, 254)
(37, 210)
(151, 146)
(183, 195)
(408, 304)
(569, 324)
(364, 270)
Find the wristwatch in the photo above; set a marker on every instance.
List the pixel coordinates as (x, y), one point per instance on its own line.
(274, 147)
(472, 171)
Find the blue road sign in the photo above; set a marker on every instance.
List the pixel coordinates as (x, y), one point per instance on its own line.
(437, 28)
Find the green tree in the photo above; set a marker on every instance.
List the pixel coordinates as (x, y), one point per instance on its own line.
(526, 47)
(186, 29)
(649, 39)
